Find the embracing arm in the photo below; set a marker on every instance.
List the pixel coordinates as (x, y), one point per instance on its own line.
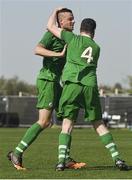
(52, 24)
(42, 51)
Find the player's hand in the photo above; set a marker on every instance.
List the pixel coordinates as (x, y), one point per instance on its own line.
(62, 54)
(59, 8)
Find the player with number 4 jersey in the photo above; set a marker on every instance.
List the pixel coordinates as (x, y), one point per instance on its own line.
(80, 88)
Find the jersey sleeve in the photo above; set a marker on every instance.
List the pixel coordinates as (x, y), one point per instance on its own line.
(46, 39)
(66, 36)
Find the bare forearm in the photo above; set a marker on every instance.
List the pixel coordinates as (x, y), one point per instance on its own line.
(52, 25)
(39, 50)
(52, 20)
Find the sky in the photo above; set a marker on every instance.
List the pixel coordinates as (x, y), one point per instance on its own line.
(23, 23)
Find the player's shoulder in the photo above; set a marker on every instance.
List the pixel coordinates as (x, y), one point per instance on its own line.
(51, 36)
(67, 32)
(67, 36)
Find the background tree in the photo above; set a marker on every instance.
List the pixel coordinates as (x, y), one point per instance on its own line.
(130, 81)
(130, 84)
(14, 86)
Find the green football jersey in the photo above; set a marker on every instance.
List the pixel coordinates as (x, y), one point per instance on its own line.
(52, 66)
(82, 58)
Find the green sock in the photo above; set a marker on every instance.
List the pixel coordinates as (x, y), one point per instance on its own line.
(63, 146)
(29, 137)
(108, 141)
(68, 148)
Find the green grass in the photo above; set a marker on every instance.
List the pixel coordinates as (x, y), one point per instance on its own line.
(41, 157)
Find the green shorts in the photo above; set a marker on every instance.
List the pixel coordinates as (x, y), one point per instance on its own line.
(49, 93)
(76, 96)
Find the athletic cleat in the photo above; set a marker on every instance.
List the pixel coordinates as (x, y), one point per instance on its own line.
(72, 164)
(16, 161)
(60, 167)
(120, 164)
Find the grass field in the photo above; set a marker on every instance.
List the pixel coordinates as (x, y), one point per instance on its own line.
(41, 157)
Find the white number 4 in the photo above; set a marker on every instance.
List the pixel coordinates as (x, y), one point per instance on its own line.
(87, 53)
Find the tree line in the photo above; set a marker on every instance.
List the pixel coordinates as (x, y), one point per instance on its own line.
(15, 86)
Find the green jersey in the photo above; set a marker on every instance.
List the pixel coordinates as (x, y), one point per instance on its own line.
(82, 58)
(52, 66)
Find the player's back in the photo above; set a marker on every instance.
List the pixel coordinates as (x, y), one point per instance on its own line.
(83, 50)
(82, 57)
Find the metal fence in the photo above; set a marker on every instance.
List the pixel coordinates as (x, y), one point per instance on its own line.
(18, 111)
(21, 111)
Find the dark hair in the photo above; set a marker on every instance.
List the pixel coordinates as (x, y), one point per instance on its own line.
(62, 11)
(88, 25)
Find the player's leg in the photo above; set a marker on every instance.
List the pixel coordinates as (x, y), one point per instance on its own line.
(107, 139)
(29, 137)
(33, 132)
(69, 109)
(64, 140)
(45, 98)
(93, 113)
(58, 92)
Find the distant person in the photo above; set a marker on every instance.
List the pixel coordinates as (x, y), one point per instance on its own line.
(80, 88)
(49, 89)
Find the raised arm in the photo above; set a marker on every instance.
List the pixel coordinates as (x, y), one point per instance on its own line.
(52, 27)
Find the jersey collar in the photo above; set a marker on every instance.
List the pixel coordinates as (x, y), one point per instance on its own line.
(83, 34)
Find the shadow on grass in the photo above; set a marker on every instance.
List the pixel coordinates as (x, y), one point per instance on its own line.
(101, 168)
(130, 167)
(88, 168)
(106, 168)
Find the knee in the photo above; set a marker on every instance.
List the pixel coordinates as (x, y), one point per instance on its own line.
(67, 127)
(97, 124)
(100, 128)
(43, 123)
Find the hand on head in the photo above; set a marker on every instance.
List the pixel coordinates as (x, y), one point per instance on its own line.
(59, 8)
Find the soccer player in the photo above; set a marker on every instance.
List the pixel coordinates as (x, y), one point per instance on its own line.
(49, 90)
(80, 88)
